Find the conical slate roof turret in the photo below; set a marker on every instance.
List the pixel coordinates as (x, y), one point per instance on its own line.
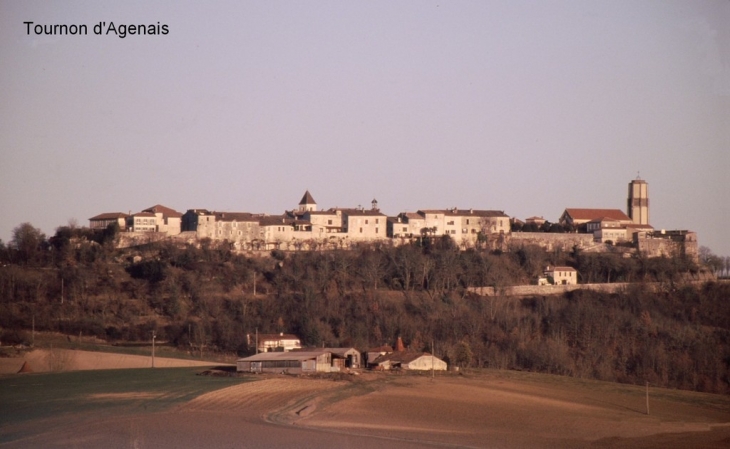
(307, 199)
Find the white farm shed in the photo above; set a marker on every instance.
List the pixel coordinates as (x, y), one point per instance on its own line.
(409, 360)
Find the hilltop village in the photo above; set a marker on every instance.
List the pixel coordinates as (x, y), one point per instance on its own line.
(309, 228)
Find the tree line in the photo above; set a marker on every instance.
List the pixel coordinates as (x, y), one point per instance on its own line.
(206, 297)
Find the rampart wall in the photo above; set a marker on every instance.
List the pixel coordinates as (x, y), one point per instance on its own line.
(551, 241)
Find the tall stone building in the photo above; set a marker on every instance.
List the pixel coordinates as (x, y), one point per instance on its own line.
(638, 202)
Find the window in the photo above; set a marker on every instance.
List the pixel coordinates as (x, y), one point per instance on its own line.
(329, 222)
(377, 220)
(405, 229)
(360, 230)
(366, 222)
(467, 221)
(376, 230)
(451, 223)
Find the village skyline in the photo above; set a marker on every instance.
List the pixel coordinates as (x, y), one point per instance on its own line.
(515, 106)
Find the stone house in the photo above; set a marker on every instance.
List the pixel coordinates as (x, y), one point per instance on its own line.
(464, 226)
(362, 225)
(166, 220)
(284, 232)
(142, 222)
(240, 228)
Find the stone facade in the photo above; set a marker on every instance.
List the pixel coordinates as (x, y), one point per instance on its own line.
(308, 228)
(465, 227)
(667, 244)
(551, 241)
(142, 222)
(167, 220)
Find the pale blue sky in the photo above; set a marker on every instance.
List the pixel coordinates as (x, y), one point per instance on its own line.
(526, 107)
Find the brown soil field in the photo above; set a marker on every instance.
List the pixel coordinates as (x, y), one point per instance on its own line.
(491, 409)
(512, 410)
(50, 360)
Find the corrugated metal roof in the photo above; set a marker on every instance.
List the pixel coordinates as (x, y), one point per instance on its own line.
(282, 356)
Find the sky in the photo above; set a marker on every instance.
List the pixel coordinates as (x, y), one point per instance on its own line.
(529, 107)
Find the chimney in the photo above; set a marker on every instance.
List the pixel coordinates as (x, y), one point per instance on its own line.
(399, 345)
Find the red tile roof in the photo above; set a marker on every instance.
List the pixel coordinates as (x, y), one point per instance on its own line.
(592, 214)
(165, 211)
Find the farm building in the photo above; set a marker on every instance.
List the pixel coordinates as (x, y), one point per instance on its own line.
(373, 353)
(342, 358)
(293, 362)
(408, 360)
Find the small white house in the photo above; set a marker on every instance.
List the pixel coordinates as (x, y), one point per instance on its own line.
(280, 342)
(562, 275)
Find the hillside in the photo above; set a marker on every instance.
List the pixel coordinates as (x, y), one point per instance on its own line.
(209, 299)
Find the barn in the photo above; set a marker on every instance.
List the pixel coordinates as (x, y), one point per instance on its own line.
(293, 362)
(345, 357)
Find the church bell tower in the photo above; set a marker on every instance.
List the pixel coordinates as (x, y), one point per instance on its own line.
(638, 202)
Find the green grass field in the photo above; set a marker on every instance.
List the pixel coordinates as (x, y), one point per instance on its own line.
(32, 397)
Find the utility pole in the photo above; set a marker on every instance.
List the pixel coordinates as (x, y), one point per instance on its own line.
(154, 335)
(432, 369)
(647, 397)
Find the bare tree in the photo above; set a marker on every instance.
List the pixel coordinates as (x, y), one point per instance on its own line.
(28, 241)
